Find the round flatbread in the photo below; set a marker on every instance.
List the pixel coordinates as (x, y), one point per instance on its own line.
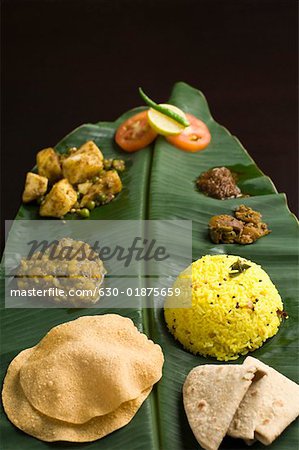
(269, 406)
(212, 394)
(89, 367)
(24, 416)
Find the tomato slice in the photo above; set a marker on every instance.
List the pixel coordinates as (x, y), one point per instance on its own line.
(193, 138)
(135, 133)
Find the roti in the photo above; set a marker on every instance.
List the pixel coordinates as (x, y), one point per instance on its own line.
(269, 406)
(244, 421)
(212, 394)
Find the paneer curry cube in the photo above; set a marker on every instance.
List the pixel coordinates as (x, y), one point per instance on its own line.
(59, 201)
(112, 182)
(109, 184)
(83, 164)
(48, 164)
(35, 187)
(83, 188)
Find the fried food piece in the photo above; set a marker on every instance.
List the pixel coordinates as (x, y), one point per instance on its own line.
(59, 201)
(218, 183)
(83, 164)
(90, 366)
(85, 379)
(48, 164)
(104, 189)
(248, 215)
(83, 188)
(225, 229)
(254, 228)
(28, 419)
(246, 228)
(35, 187)
(252, 232)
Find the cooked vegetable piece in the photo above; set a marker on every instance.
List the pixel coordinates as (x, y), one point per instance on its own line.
(108, 163)
(59, 201)
(246, 228)
(43, 269)
(225, 229)
(218, 182)
(91, 205)
(83, 188)
(254, 228)
(252, 232)
(103, 190)
(193, 138)
(248, 215)
(88, 182)
(83, 164)
(48, 164)
(135, 133)
(35, 187)
(119, 165)
(84, 213)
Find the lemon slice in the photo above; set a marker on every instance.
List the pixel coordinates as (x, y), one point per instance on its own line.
(163, 124)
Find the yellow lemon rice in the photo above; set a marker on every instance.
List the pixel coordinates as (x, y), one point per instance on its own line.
(230, 315)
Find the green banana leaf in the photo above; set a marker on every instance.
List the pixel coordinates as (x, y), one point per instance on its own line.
(173, 196)
(22, 328)
(159, 184)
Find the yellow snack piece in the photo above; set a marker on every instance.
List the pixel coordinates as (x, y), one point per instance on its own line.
(89, 367)
(59, 201)
(48, 164)
(35, 187)
(24, 416)
(83, 164)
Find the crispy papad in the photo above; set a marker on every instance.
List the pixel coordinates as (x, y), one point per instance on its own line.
(88, 367)
(24, 416)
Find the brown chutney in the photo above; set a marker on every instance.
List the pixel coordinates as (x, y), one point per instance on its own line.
(218, 183)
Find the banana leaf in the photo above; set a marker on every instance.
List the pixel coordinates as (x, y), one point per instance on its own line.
(160, 184)
(173, 195)
(23, 328)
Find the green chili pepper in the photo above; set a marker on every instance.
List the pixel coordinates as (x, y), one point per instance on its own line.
(163, 109)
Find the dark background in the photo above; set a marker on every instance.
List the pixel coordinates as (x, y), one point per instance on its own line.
(66, 62)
